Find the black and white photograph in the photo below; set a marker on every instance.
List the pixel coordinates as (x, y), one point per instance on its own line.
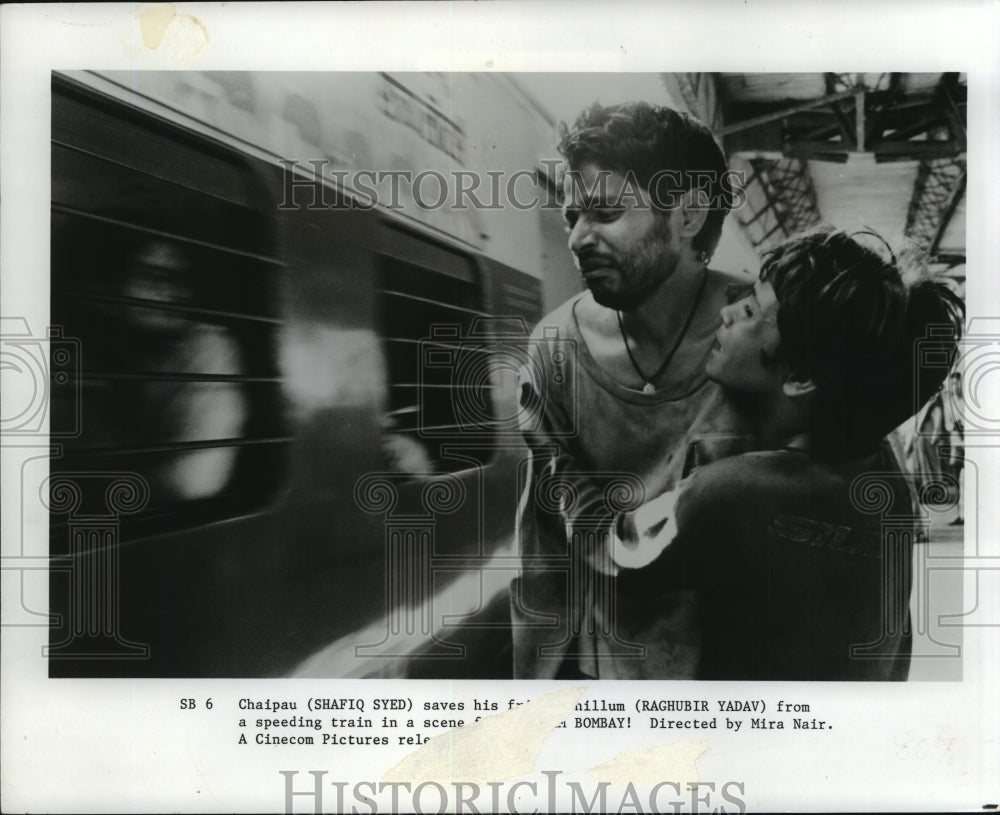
(361, 392)
(362, 415)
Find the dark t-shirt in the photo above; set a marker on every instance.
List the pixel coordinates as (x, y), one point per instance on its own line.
(805, 568)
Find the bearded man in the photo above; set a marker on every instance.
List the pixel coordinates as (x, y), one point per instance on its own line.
(616, 405)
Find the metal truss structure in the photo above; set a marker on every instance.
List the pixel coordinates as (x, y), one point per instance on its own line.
(852, 118)
(891, 118)
(937, 192)
(786, 202)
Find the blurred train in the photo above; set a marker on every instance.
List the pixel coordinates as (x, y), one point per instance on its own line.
(281, 418)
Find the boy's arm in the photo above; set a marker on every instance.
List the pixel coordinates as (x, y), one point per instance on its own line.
(694, 537)
(637, 538)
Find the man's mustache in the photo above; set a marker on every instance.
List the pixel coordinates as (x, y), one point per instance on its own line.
(594, 261)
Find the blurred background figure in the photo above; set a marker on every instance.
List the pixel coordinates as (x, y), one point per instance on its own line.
(924, 455)
(186, 398)
(936, 446)
(952, 411)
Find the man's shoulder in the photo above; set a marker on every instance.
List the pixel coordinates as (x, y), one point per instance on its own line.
(723, 277)
(562, 321)
(579, 315)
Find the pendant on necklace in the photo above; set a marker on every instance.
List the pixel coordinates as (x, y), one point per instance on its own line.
(648, 388)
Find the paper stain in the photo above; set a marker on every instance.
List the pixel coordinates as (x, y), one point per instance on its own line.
(495, 748)
(677, 761)
(180, 39)
(153, 22)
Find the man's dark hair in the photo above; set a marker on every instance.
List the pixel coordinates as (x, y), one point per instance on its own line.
(646, 140)
(850, 323)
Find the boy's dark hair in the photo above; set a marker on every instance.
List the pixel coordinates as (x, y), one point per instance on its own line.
(850, 324)
(645, 140)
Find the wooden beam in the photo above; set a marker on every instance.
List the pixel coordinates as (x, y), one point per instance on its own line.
(916, 128)
(949, 258)
(859, 115)
(821, 132)
(955, 116)
(842, 121)
(819, 150)
(906, 150)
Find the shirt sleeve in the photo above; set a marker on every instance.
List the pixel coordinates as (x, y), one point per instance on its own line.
(559, 511)
(559, 496)
(639, 537)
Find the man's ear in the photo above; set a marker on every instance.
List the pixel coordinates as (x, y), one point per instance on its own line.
(693, 211)
(794, 388)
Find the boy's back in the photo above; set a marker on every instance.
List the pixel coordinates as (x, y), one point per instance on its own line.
(806, 569)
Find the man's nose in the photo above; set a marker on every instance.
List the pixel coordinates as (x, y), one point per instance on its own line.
(728, 314)
(581, 236)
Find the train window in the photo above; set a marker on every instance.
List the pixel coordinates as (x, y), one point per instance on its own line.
(432, 315)
(165, 274)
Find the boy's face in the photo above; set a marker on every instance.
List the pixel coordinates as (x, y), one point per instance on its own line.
(744, 355)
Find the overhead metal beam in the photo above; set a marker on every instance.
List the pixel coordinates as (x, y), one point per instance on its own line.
(736, 127)
(883, 123)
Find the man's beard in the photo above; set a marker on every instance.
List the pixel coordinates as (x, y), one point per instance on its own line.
(623, 299)
(639, 274)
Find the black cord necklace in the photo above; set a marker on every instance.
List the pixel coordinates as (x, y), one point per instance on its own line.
(649, 387)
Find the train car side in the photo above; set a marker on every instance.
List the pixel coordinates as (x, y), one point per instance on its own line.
(264, 381)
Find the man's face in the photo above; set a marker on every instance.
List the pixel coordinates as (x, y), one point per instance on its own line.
(623, 247)
(744, 355)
